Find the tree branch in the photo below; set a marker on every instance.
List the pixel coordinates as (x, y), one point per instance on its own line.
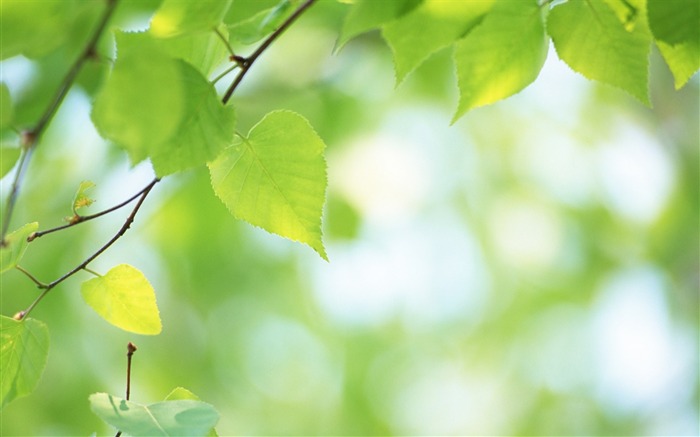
(248, 62)
(84, 264)
(31, 138)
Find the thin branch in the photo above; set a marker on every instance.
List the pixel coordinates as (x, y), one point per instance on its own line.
(31, 138)
(32, 277)
(224, 73)
(226, 43)
(248, 62)
(88, 260)
(84, 218)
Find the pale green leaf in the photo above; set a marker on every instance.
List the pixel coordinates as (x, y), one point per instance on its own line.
(124, 298)
(6, 112)
(590, 38)
(264, 22)
(169, 418)
(15, 245)
(34, 27)
(8, 158)
(143, 101)
(276, 178)
(502, 55)
(180, 394)
(205, 130)
(204, 51)
(675, 21)
(81, 199)
(441, 22)
(175, 17)
(683, 59)
(366, 15)
(24, 347)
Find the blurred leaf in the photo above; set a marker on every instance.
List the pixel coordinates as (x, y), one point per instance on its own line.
(24, 347)
(261, 24)
(124, 298)
(276, 178)
(204, 132)
(8, 158)
(590, 38)
(81, 199)
(343, 221)
(366, 15)
(176, 17)
(143, 101)
(243, 10)
(15, 246)
(49, 20)
(683, 59)
(6, 112)
(441, 22)
(170, 418)
(204, 51)
(181, 394)
(674, 21)
(501, 56)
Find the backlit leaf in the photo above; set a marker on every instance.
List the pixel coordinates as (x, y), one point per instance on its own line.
(24, 347)
(175, 17)
(590, 38)
(143, 101)
(441, 22)
(169, 418)
(502, 55)
(674, 21)
(124, 298)
(683, 59)
(179, 394)
(81, 199)
(15, 245)
(366, 15)
(8, 158)
(204, 51)
(276, 178)
(264, 22)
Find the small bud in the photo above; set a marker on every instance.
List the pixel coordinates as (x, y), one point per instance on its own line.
(31, 237)
(19, 315)
(130, 348)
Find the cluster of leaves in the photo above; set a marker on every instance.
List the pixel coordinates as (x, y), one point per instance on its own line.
(159, 103)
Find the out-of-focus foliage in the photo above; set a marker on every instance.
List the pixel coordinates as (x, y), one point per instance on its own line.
(531, 270)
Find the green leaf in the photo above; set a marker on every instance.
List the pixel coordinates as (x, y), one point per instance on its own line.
(143, 101)
(176, 17)
(170, 418)
(441, 22)
(683, 60)
(24, 347)
(179, 394)
(276, 178)
(34, 27)
(366, 15)
(263, 23)
(8, 158)
(190, 133)
(590, 38)
(6, 113)
(204, 51)
(124, 298)
(15, 245)
(81, 199)
(502, 55)
(674, 21)
(205, 131)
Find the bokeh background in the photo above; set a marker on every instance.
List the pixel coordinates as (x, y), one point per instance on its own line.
(531, 270)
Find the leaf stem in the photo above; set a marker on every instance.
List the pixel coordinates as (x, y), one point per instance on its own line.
(84, 218)
(31, 138)
(125, 227)
(248, 62)
(32, 277)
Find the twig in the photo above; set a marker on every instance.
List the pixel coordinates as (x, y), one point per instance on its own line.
(84, 218)
(30, 139)
(248, 62)
(82, 265)
(130, 349)
(30, 276)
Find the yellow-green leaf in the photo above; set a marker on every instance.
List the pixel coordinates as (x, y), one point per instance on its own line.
(8, 158)
(81, 199)
(15, 245)
(175, 17)
(124, 298)
(276, 178)
(24, 346)
(502, 55)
